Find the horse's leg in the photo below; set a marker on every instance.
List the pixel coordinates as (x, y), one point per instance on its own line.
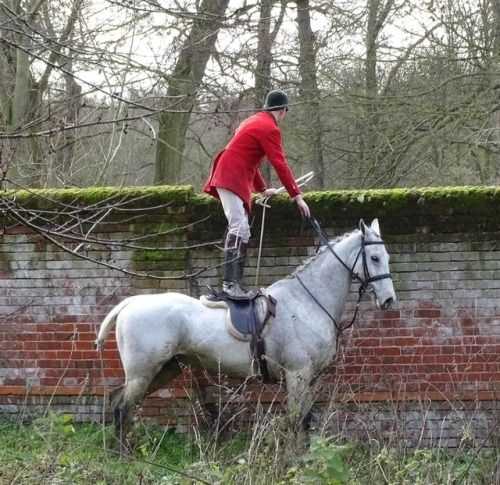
(299, 398)
(169, 371)
(126, 398)
(115, 399)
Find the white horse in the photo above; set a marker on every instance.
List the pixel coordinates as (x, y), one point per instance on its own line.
(156, 332)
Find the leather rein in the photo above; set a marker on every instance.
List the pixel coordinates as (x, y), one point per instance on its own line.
(364, 281)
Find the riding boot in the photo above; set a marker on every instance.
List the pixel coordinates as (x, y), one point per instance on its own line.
(243, 258)
(234, 263)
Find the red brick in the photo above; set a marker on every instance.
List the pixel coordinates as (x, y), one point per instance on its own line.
(65, 335)
(389, 323)
(401, 341)
(365, 332)
(402, 359)
(84, 364)
(427, 313)
(11, 354)
(53, 363)
(111, 363)
(113, 373)
(453, 349)
(10, 345)
(29, 345)
(20, 363)
(28, 337)
(473, 349)
(89, 354)
(49, 345)
(367, 342)
(53, 372)
(50, 381)
(30, 354)
(486, 339)
(84, 345)
(47, 327)
(67, 345)
(421, 331)
(64, 354)
(14, 381)
(384, 351)
(87, 336)
(369, 360)
(422, 350)
(111, 354)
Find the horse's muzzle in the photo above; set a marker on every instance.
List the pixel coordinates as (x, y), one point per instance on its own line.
(387, 303)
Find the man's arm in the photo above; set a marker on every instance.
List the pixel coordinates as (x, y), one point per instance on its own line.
(259, 184)
(273, 149)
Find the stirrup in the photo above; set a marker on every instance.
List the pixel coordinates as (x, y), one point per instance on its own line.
(236, 292)
(213, 294)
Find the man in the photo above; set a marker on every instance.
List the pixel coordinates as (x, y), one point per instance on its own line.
(235, 175)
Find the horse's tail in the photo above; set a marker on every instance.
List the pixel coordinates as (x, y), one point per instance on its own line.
(106, 324)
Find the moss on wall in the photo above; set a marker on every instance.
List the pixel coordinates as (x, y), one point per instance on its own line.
(151, 195)
(4, 262)
(162, 235)
(458, 208)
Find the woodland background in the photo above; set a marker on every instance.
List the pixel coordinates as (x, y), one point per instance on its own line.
(384, 93)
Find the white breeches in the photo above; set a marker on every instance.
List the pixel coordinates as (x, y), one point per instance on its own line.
(236, 215)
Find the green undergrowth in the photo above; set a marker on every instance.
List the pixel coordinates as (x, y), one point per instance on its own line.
(54, 450)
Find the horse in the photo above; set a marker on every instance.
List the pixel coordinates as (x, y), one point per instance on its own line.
(157, 333)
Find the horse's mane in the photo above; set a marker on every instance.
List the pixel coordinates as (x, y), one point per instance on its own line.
(320, 251)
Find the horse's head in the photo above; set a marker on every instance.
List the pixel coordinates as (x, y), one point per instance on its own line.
(372, 265)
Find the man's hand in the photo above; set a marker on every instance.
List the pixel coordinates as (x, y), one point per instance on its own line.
(302, 206)
(269, 192)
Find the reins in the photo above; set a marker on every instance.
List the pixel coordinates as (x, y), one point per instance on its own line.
(263, 201)
(364, 281)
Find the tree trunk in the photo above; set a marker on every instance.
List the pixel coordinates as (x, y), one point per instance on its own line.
(310, 92)
(66, 149)
(495, 83)
(377, 13)
(266, 38)
(369, 158)
(263, 69)
(183, 85)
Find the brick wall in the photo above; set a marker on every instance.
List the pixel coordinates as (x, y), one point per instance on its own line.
(430, 360)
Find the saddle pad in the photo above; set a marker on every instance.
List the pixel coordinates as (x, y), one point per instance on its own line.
(242, 318)
(245, 321)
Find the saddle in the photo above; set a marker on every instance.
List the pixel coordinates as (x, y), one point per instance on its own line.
(245, 322)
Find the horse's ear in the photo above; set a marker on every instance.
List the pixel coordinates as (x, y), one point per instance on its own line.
(375, 227)
(362, 226)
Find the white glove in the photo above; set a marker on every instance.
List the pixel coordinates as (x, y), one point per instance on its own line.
(302, 206)
(269, 192)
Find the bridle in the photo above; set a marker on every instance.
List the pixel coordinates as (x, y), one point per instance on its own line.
(365, 281)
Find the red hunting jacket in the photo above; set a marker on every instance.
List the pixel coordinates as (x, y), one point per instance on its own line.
(236, 168)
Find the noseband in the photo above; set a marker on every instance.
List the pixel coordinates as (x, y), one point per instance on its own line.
(367, 279)
(364, 281)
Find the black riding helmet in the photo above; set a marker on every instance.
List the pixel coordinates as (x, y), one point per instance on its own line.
(276, 100)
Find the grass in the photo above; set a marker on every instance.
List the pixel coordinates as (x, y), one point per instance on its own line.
(53, 450)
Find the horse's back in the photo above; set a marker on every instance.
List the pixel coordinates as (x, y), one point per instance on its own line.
(153, 321)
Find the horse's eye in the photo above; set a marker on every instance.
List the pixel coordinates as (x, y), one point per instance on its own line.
(375, 259)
